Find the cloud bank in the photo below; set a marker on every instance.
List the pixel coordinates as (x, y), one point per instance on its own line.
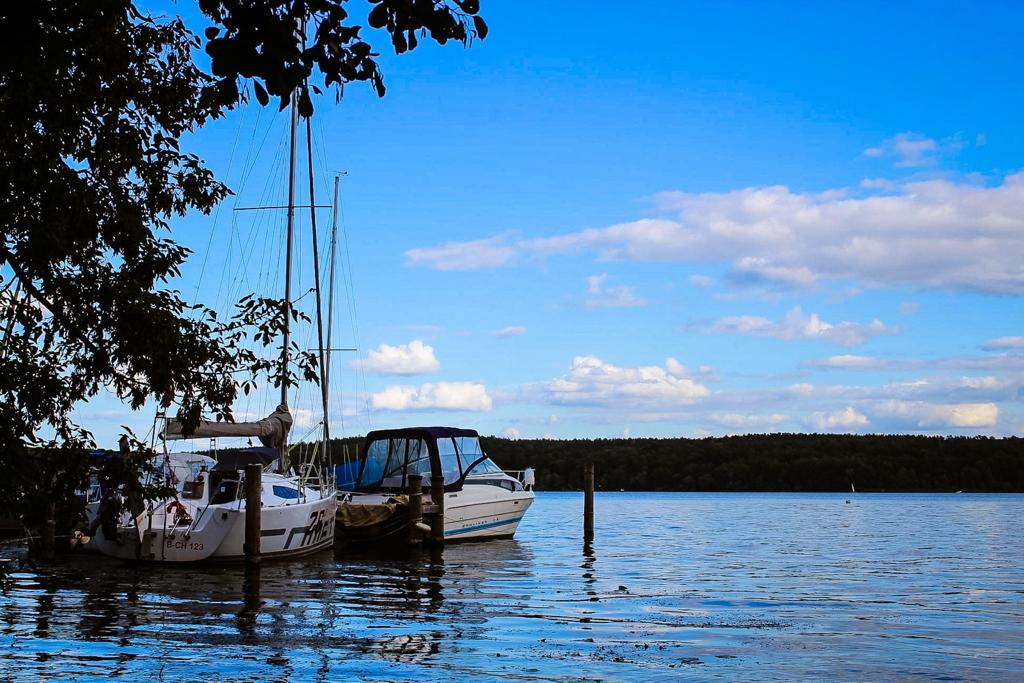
(436, 396)
(928, 234)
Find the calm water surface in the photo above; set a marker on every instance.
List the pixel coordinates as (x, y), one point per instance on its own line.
(691, 586)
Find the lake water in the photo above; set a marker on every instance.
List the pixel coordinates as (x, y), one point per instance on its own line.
(692, 586)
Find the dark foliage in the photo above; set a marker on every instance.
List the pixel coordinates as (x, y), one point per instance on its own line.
(95, 97)
(773, 462)
(260, 40)
(764, 462)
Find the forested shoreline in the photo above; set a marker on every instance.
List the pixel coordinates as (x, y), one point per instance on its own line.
(771, 462)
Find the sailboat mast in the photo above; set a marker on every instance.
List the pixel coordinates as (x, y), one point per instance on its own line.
(285, 310)
(330, 277)
(324, 389)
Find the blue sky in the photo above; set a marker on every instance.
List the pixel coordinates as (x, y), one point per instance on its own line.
(661, 219)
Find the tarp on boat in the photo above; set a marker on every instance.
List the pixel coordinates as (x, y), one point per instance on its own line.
(358, 515)
(271, 430)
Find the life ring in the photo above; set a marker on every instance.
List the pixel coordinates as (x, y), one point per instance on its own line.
(181, 515)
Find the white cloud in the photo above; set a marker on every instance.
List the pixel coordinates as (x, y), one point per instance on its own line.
(473, 255)
(848, 361)
(931, 234)
(1004, 343)
(987, 382)
(599, 296)
(510, 331)
(510, 433)
(797, 325)
(912, 149)
(847, 419)
(879, 184)
(910, 308)
(757, 269)
(435, 396)
(591, 381)
(935, 415)
(747, 423)
(950, 396)
(702, 281)
(414, 358)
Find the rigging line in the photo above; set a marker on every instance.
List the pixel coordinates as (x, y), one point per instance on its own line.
(248, 168)
(330, 303)
(353, 316)
(326, 262)
(216, 214)
(239, 275)
(270, 226)
(269, 263)
(316, 279)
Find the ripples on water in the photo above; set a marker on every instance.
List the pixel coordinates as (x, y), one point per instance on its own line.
(697, 586)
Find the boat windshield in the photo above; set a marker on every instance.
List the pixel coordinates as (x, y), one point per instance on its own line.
(385, 462)
(470, 451)
(449, 460)
(486, 466)
(389, 462)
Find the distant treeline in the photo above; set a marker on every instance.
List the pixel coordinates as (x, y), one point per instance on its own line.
(770, 462)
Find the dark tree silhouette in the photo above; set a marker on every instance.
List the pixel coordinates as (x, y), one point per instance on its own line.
(774, 462)
(95, 97)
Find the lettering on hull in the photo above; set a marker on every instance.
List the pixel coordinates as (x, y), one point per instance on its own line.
(317, 529)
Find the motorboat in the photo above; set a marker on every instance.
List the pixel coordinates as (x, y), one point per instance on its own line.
(481, 500)
(204, 517)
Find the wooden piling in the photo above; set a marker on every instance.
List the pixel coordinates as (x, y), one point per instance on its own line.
(253, 505)
(415, 535)
(437, 496)
(588, 501)
(50, 533)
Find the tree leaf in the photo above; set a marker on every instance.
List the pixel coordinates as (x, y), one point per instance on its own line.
(378, 16)
(481, 26)
(261, 93)
(305, 103)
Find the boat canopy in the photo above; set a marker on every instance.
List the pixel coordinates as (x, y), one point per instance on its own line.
(420, 432)
(237, 460)
(391, 455)
(271, 430)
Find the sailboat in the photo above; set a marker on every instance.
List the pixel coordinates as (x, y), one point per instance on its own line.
(204, 518)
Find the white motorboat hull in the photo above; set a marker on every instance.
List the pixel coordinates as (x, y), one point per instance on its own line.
(477, 512)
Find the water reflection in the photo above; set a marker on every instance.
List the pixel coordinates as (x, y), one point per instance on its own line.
(735, 586)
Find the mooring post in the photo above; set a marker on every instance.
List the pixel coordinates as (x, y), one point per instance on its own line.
(588, 501)
(253, 505)
(437, 496)
(415, 508)
(50, 533)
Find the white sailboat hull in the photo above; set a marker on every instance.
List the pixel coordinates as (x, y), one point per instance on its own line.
(217, 532)
(288, 531)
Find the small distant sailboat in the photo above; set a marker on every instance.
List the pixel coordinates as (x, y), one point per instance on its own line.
(852, 490)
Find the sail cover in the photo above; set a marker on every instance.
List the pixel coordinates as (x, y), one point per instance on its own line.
(272, 430)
